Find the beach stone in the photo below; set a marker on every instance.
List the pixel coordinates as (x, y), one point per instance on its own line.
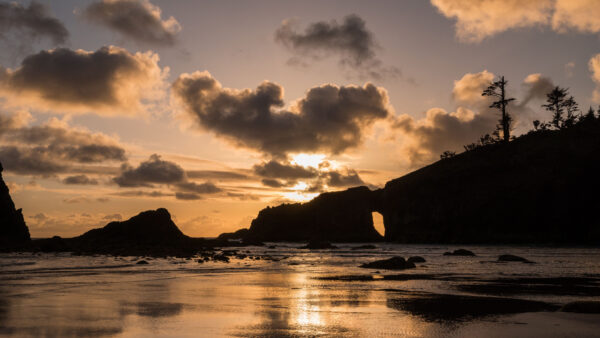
(142, 262)
(416, 259)
(459, 252)
(394, 263)
(513, 258)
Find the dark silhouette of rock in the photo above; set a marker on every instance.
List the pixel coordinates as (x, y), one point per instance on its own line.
(13, 231)
(240, 234)
(365, 247)
(343, 216)
(318, 245)
(54, 244)
(394, 263)
(540, 188)
(582, 307)
(459, 252)
(142, 262)
(513, 258)
(416, 259)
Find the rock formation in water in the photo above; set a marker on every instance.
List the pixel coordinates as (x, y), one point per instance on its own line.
(543, 187)
(343, 216)
(13, 231)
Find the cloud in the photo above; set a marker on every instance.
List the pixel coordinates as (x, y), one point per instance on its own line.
(477, 20)
(594, 67)
(273, 183)
(52, 147)
(576, 15)
(536, 87)
(154, 170)
(274, 169)
(468, 89)
(79, 179)
(350, 179)
(351, 41)
(109, 81)
(136, 19)
(329, 118)
(216, 174)
(569, 68)
(141, 193)
(30, 23)
(203, 188)
(187, 196)
(113, 217)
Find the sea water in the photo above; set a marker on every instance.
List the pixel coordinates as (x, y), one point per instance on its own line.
(297, 294)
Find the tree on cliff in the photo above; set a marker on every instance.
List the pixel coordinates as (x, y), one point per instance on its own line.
(556, 102)
(498, 90)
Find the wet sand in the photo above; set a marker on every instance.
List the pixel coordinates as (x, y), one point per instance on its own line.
(310, 293)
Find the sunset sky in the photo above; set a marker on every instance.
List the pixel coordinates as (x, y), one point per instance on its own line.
(216, 109)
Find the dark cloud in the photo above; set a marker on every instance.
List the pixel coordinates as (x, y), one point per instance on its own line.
(350, 179)
(141, 193)
(536, 87)
(29, 161)
(274, 169)
(154, 170)
(329, 118)
(187, 196)
(113, 217)
(53, 147)
(136, 19)
(65, 79)
(273, 183)
(79, 179)
(31, 23)
(216, 174)
(351, 41)
(203, 188)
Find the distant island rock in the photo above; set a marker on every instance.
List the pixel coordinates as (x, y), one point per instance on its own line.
(539, 188)
(13, 230)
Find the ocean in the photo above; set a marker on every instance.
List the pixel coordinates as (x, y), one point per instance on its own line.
(285, 291)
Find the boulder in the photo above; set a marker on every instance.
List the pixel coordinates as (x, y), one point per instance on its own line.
(459, 252)
(394, 263)
(513, 258)
(416, 259)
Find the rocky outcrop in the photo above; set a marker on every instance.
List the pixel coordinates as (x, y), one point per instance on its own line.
(13, 231)
(394, 263)
(540, 188)
(343, 216)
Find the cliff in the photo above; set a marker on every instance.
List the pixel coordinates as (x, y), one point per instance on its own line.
(543, 187)
(13, 231)
(343, 216)
(540, 188)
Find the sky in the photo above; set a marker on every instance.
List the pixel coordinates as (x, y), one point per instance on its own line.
(217, 109)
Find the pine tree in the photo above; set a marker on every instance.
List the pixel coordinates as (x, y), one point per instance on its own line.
(498, 90)
(555, 103)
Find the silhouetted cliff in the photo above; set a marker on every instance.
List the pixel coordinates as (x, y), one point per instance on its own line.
(343, 216)
(543, 187)
(540, 188)
(13, 231)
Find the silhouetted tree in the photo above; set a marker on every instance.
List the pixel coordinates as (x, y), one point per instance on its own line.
(589, 116)
(498, 90)
(447, 154)
(571, 107)
(536, 124)
(556, 104)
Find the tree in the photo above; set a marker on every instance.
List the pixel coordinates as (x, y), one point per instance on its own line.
(556, 104)
(498, 90)
(572, 107)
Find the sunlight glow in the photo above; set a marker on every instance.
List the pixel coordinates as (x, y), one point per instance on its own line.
(308, 160)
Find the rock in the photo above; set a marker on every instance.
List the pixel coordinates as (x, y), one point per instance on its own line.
(459, 252)
(13, 230)
(582, 307)
(221, 258)
(512, 258)
(365, 247)
(142, 262)
(318, 245)
(233, 235)
(416, 259)
(342, 216)
(394, 263)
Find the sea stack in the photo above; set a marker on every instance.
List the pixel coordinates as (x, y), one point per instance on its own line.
(13, 231)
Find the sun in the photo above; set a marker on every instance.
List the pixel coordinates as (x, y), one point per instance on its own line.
(308, 160)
